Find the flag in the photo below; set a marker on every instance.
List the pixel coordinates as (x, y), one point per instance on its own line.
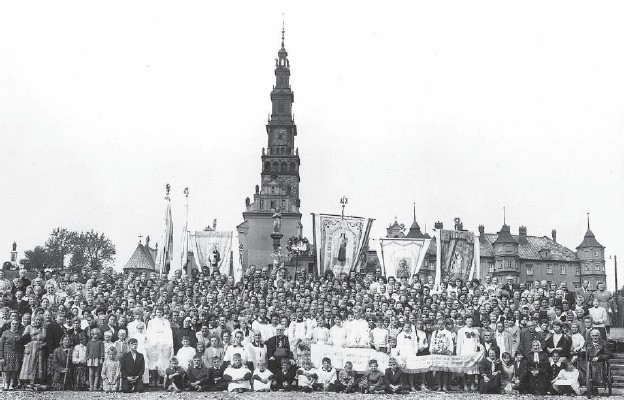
(402, 258)
(165, 252)
(185, 262)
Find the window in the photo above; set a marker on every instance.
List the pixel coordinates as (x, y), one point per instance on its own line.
(490, 267)
(549, 269)
(596, 253)
(603, 268)
(432, 264)
(508, 249)
(587, 268)
(499, 264)
(529, 270)
(577, 271)
(509, 264)
(597, 267)
(563, 269)
(586, 253)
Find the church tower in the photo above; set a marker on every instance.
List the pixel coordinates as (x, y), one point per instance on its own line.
(279, 185)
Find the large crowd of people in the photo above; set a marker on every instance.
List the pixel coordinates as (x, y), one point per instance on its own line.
(101, 330)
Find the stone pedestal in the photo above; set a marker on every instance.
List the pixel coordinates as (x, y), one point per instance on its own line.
(277, 239)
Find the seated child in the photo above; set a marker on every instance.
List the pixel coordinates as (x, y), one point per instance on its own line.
(566, 382)
(198, 375)
(346, 379)
(285, 377)
(111, 372)
(396, 380)
(327, 377)
(217, 384)
(174, 376)
(373, 380)
(237, 375)
(262, 378)
(306, 376)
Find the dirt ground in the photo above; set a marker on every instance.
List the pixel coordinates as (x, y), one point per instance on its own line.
(259, 396)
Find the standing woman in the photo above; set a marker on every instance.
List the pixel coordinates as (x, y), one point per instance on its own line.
(605, 300)
(35, 362)
(539, 368)
(159, 346)
(11, 353)
(62, 364)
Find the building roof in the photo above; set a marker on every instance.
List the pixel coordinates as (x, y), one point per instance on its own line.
(415, 232)
(589, 240)
(532, 249)
(141, 259)
(504, 236)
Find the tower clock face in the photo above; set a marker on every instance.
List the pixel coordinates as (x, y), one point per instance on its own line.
(280, 137)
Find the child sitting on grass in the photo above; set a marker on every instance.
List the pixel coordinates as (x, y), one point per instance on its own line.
(174, 376)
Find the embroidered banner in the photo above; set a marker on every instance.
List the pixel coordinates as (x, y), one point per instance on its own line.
(456, 255)
(341, 240)
(411, 364)
(213, 247)
(402, 258)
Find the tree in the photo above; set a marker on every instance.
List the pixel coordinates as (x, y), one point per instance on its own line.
(60, 243)
(37, 258)
(92, 249)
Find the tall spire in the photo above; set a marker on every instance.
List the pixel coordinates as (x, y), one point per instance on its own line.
(414, 211)
(283, 31)
(587, 221)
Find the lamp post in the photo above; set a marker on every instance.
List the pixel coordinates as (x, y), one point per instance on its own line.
(616, 290)
(343, 201)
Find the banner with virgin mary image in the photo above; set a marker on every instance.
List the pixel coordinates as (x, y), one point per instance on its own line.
(457, 255)
(213, 248)
(339, 241)
(402, 258)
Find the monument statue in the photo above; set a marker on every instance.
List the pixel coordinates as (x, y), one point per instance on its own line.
(277, 220)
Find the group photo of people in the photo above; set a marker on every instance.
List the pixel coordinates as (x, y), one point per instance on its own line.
(136, 331)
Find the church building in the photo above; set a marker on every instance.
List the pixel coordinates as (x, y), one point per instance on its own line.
(278, 191)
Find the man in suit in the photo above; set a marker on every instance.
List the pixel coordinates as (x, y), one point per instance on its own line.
(278, 348)
(528, 336)
(510, 286)
(503, 339)
(132, 367)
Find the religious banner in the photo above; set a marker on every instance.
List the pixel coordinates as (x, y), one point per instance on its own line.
(457, 255)
(340, 242)
(213, 248)
(339, 355)
(402, 258)
(165, 252)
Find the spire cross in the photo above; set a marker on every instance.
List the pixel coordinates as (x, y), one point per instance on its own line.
(140, 237)
(504, 216)
(414, 211)
(587, 220)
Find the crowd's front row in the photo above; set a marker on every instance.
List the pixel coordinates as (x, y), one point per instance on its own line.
(533, 373)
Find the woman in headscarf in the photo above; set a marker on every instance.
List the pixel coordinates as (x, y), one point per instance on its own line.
(539, 368)
(491, 371)
(605, 301)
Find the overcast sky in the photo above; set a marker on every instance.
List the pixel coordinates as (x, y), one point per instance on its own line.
(461, 107)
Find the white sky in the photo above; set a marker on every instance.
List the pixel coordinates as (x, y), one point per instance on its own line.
(462, 107)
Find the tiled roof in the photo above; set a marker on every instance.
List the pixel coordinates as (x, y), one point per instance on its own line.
(530, 250)
(415, 232)
(141, 259)
(589, 240)
(504, 236)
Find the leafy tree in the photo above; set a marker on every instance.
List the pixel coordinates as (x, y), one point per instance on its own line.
(37, 258)
(92, 249)
(60, 243)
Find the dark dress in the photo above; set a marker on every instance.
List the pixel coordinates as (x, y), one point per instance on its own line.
(495, 382)
(522, 374)
(538, 383)
(11, 350)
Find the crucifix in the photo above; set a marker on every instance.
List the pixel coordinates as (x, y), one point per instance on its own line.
(140, 238)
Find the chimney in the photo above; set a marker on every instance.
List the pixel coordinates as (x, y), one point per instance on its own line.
(523, 234)
(554, 235)
(481, 231)
(438, 225)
